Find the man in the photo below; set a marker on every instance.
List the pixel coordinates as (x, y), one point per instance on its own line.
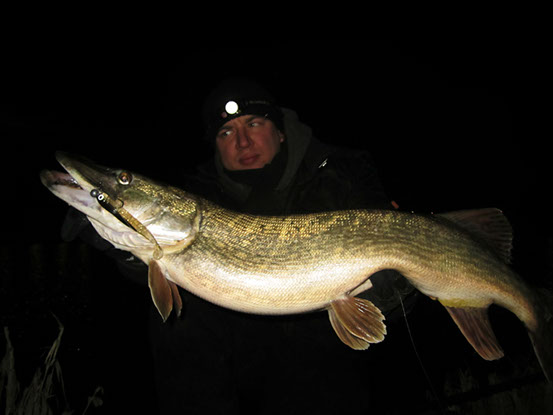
(214, 360)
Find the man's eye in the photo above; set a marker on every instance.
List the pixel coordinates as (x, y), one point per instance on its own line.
(256, 123)
(223, 134)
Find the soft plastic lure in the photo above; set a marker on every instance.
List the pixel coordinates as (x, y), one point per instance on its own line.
(115, 207)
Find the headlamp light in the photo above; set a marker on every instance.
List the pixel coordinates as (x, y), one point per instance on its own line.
(231, 107)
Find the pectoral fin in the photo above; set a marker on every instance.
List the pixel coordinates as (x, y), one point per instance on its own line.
(475, 326)
(165, 293)
(357, 322)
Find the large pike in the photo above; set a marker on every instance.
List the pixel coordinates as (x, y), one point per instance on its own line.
(300, 263)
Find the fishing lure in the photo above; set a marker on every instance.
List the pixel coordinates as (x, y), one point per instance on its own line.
(115, 207)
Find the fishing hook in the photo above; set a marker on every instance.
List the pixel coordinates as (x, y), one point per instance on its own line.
(126, 218)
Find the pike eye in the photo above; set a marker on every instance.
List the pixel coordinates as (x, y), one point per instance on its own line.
(124, 178)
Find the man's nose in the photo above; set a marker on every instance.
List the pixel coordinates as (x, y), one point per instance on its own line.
(242, 139)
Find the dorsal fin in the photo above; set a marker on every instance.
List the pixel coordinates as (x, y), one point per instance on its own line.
(489, 225)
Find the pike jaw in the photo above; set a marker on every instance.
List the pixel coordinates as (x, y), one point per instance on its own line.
(79, 188)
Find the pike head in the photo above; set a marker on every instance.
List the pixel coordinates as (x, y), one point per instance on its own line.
(132, 212)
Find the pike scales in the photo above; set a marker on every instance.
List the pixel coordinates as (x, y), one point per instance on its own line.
(288, 261)
(320, 261)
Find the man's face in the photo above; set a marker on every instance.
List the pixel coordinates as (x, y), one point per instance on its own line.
(248, 142)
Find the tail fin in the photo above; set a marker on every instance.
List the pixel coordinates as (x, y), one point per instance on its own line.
(542, 336)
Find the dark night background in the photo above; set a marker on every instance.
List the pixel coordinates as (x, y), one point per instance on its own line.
(450, 124)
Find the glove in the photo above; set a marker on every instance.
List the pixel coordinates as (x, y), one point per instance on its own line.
(76, 225)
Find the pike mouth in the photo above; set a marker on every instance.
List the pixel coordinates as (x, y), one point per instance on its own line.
(80, 177)
(56, 178)
(67, 188)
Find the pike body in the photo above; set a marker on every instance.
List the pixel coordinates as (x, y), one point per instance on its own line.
(301, 263)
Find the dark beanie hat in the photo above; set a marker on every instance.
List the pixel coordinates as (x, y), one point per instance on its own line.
(234, 98)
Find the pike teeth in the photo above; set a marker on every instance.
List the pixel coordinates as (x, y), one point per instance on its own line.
(73, 183)
(55, 178)
(67, 180)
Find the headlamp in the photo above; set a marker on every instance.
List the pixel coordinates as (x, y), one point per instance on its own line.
(237, 97)
(237, 107)
(231, 107)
